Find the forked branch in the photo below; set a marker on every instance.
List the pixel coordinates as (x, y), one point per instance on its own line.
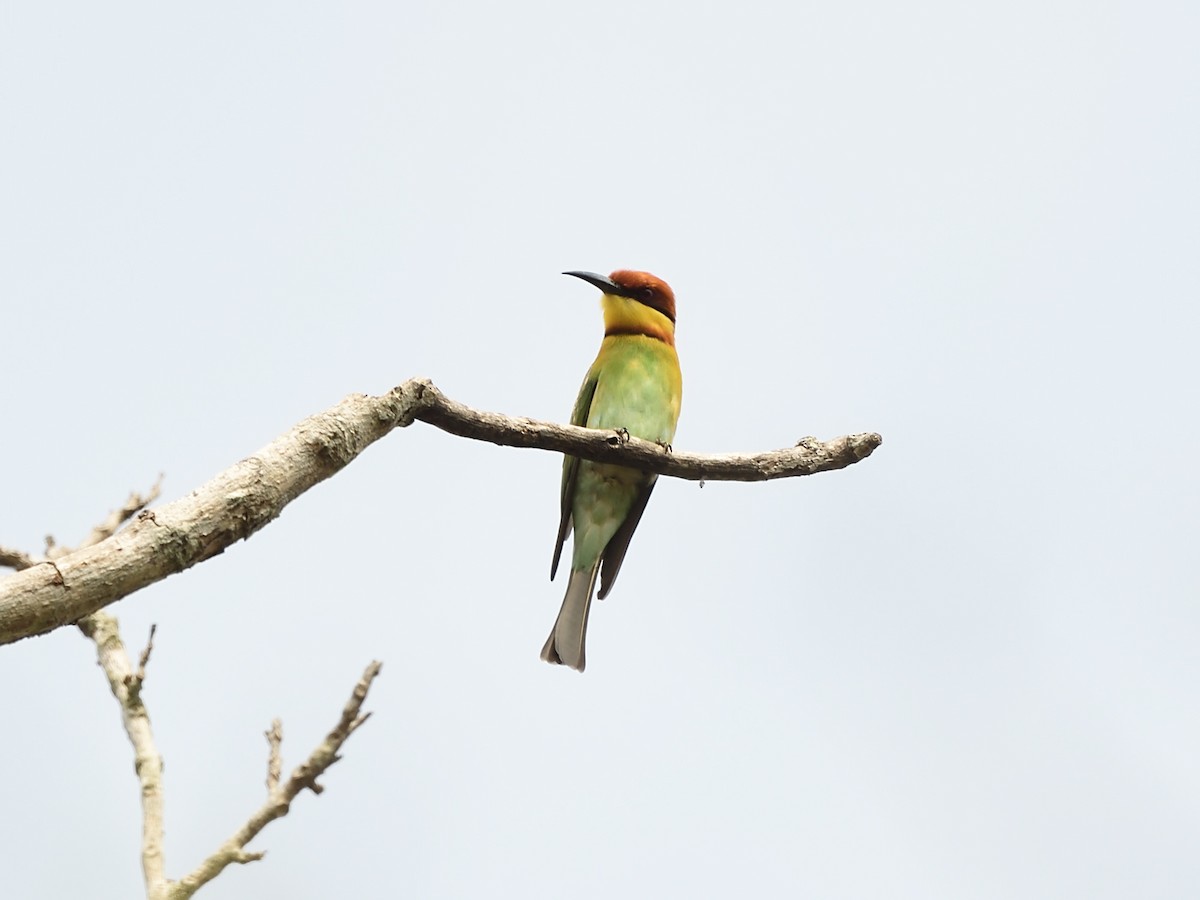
(280, 796)
(126, 683)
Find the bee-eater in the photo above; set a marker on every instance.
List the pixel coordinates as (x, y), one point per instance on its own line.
(635, 385)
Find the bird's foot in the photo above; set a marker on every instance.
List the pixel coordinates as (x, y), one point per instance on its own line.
(667, 447)
(620, 437)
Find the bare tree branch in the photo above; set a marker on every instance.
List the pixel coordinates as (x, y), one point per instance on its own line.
(808, 457)
(126, 685)
(280, 797)
(247, 496)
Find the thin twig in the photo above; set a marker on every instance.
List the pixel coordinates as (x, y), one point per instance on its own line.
(16, 559)
(145, 657)
(123, 514)
(135, 680)
(274, 755)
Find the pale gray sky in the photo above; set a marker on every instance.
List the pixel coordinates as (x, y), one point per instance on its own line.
(965, 668)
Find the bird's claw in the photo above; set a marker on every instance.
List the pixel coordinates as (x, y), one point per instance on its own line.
(620, 437)
(666, 447)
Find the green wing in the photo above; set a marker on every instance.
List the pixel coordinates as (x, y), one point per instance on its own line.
(579, 416)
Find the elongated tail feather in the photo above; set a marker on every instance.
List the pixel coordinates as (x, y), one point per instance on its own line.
(564, 647)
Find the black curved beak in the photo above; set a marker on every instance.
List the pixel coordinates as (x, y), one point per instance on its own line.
(605, 284)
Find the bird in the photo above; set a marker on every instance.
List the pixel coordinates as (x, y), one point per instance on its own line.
(634, 387)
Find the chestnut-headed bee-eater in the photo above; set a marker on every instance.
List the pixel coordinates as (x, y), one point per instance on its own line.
(634, 385)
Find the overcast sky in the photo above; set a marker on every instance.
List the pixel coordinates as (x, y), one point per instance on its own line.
(964, 668)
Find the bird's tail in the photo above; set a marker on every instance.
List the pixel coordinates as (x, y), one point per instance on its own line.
(564, 647)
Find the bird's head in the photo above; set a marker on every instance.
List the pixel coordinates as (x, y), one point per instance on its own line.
(642, 287)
